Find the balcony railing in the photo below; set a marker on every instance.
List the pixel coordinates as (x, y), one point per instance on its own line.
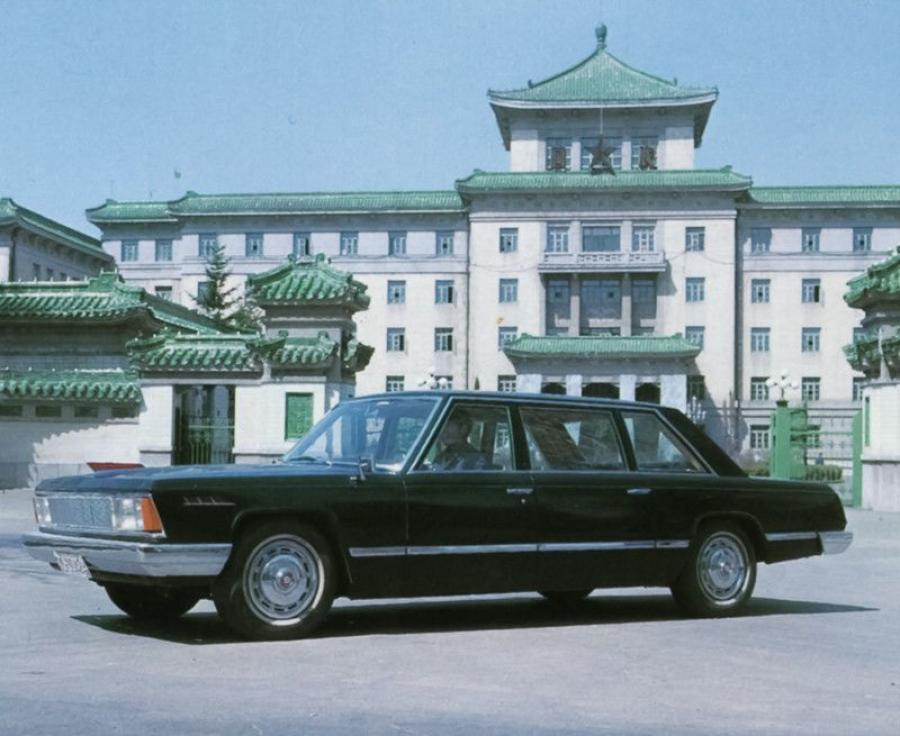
(652, 261)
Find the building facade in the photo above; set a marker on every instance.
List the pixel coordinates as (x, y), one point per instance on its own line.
(601, 263)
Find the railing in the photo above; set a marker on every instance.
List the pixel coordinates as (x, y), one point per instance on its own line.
(204, 444)
(605, 261)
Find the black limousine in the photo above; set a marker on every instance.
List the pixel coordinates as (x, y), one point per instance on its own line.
(438, 493)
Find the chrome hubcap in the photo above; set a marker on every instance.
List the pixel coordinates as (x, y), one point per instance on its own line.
(282, 579)
(723, 568)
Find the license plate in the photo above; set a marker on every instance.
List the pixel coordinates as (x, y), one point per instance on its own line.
(73, 564)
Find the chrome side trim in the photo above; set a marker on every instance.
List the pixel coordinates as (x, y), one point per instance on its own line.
(377, 551)
(833, 543)
(595, 546)
(790, 536)
(472, 549)
(673, 543)
(144, 559)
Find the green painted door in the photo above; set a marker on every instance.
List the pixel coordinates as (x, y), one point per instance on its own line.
(298, 415)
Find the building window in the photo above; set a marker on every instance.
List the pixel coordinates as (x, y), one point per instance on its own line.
(809, 242)
(506, 384)
(858, 387)
(509, 291)
(601, 239)
(443, 244)
(253, 245)
(11, 410)
(302, 245)
(809, 339)
(759, 389)
(506, 335)
(759, 437)
(509, 239)
(396, 292)
(862, 239)
(87, 411)
(443, 292)
(643, 152)
(36, 271)
(50, 274)
(164, 250)
(810, 388)
(557, 238)
(397, 244)
(208, 244)
(760, 239)
(695, 239)
(123, 412)
(349, 244)
(202, 292)
(695, 335)
(643, 239)
(298, 415)
(63, 276)
(443, 383)
(759, 339)
(696, 387)
(558, 155)
(643, 292)
(443, 339)
(394, 383)
(164, 292)
(811, 291)
(759, 291)
(396, 339)
(694, 289)
(48, 411)
(859, 334)
(129, 251)
(612, 144)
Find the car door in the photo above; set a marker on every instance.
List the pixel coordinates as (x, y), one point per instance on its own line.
(472, 521)
(598, 526)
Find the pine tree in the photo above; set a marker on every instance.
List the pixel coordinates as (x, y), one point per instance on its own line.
(223, 303)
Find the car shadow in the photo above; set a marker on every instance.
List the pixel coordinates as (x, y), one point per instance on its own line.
(454, 615)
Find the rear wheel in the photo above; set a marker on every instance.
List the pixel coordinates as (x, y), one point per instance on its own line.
(148, 603)
(565, 598)
(279, 583)
(720, 573)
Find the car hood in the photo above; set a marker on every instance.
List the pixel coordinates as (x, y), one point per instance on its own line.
(191, 477)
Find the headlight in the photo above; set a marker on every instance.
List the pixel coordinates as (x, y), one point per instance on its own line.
(42, 511)
(135, 515)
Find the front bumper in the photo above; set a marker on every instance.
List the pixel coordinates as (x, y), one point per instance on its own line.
(834, 543)
(142, 559)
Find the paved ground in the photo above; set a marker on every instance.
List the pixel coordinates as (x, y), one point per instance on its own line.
(817, 653)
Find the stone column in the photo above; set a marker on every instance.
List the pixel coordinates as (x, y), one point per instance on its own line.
(574, 305)
(626, 304)
(673, 391)
(529, 383)
(5, 263)
(156, 426)
(627, 386)
(573, 384)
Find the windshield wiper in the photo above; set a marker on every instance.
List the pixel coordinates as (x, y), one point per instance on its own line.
(310, 459)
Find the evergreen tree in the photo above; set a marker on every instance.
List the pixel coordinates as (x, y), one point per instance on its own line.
(223, 303)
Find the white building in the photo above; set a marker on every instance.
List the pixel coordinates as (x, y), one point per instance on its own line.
(603, 262)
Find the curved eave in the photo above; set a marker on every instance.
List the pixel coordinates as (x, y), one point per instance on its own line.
(323, 212)
(624, 355)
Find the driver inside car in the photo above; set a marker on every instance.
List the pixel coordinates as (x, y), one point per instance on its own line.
(456, 452)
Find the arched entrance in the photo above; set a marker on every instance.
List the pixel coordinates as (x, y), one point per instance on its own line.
(647, 392)
(601, 390)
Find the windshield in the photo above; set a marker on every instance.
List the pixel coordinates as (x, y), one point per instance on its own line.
(381, 430)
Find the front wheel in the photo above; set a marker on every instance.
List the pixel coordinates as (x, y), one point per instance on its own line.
(279, 582)
(720, 573)
(147, 603)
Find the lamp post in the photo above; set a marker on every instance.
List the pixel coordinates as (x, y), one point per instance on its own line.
(780, 457)
(782, 383)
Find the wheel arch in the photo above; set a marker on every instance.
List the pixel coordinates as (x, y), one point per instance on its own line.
(747, 522)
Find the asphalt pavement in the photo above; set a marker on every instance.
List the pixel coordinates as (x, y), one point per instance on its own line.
(817, 652)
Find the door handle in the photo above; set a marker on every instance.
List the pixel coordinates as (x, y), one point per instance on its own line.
(639, 491)
(519, 491)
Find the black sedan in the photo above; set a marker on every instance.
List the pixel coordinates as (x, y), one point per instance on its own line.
(438, 493)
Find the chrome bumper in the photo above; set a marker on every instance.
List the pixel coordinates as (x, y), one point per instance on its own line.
(144, 559)
(834, 543)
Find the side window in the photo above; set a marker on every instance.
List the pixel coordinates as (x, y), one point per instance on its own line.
(572, 439)
(472, 438)
(655, 447)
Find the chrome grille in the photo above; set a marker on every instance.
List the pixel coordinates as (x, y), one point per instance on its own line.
(86, 512)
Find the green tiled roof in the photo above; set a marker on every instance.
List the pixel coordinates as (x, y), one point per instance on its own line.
(72, 385)
(602, 78)
(308, 281)
(825, 195)
(864, 355)
(193, 204)
(103, 298)
(555, 181)
(14, 214)
(228, 353)
(530, 346)
(879, 281)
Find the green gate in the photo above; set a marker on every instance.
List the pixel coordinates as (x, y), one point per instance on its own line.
(825, 447)
(204, 444)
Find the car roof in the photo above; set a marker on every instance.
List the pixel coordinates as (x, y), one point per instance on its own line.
(509, 396)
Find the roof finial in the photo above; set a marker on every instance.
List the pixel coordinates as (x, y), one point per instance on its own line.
(600, 32)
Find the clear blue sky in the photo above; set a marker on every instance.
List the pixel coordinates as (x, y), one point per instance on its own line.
(107, 99)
